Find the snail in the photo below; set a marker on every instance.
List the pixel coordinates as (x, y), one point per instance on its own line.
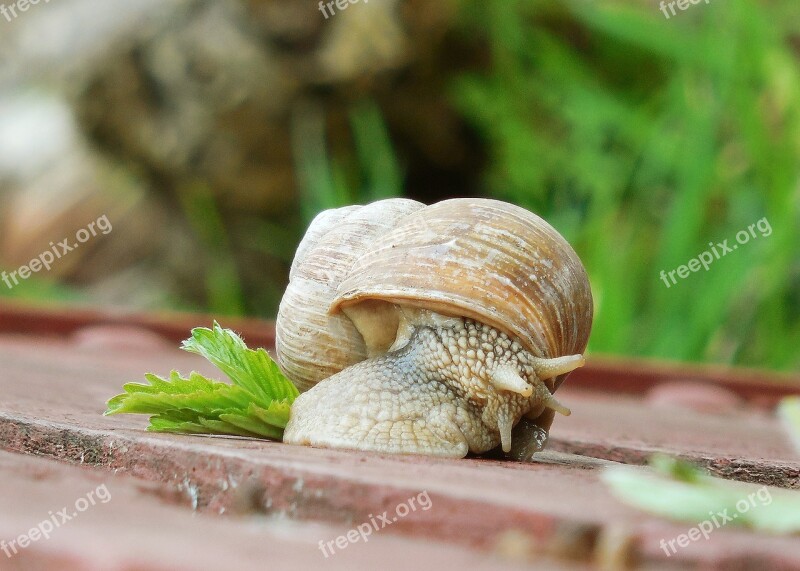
(418, 329)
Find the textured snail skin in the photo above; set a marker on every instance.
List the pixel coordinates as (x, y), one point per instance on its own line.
(431, 329)
(435, 395)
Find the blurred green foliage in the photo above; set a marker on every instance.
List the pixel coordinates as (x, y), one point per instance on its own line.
(369, 172)
(643, 139)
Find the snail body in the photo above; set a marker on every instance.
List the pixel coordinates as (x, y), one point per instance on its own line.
(429, 329)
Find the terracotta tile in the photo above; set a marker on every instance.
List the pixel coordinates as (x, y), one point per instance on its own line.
(53, 391)
(128, 525)
(748, 445)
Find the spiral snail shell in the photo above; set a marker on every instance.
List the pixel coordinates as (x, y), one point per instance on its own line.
(429, 329)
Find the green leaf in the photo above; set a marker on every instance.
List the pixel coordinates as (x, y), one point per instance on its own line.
(158, 424)
(277, 413)
(252, 370)
(789, 413)
(204, 396)
(253, 424)
(677, 490)
(257, 404)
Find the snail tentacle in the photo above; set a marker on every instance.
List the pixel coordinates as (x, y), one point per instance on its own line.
(447, 391)
(430, 329)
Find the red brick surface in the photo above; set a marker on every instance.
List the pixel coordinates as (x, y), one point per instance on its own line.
(53, 391)
(747, 445)
(141, 527)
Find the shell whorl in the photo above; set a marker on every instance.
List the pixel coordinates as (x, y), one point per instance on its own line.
(310, 343)
(487, 260)
(478, 258)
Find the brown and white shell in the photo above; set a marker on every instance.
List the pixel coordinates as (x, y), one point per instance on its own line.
(312, 344)
(469, 257)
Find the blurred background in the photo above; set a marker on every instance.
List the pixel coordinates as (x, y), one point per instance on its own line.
(210, 132)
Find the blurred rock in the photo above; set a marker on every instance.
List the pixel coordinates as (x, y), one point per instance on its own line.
(202, 96)
(36, 130)
(58, 41)
(362, 41)
(55, 185)
(208, 92)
